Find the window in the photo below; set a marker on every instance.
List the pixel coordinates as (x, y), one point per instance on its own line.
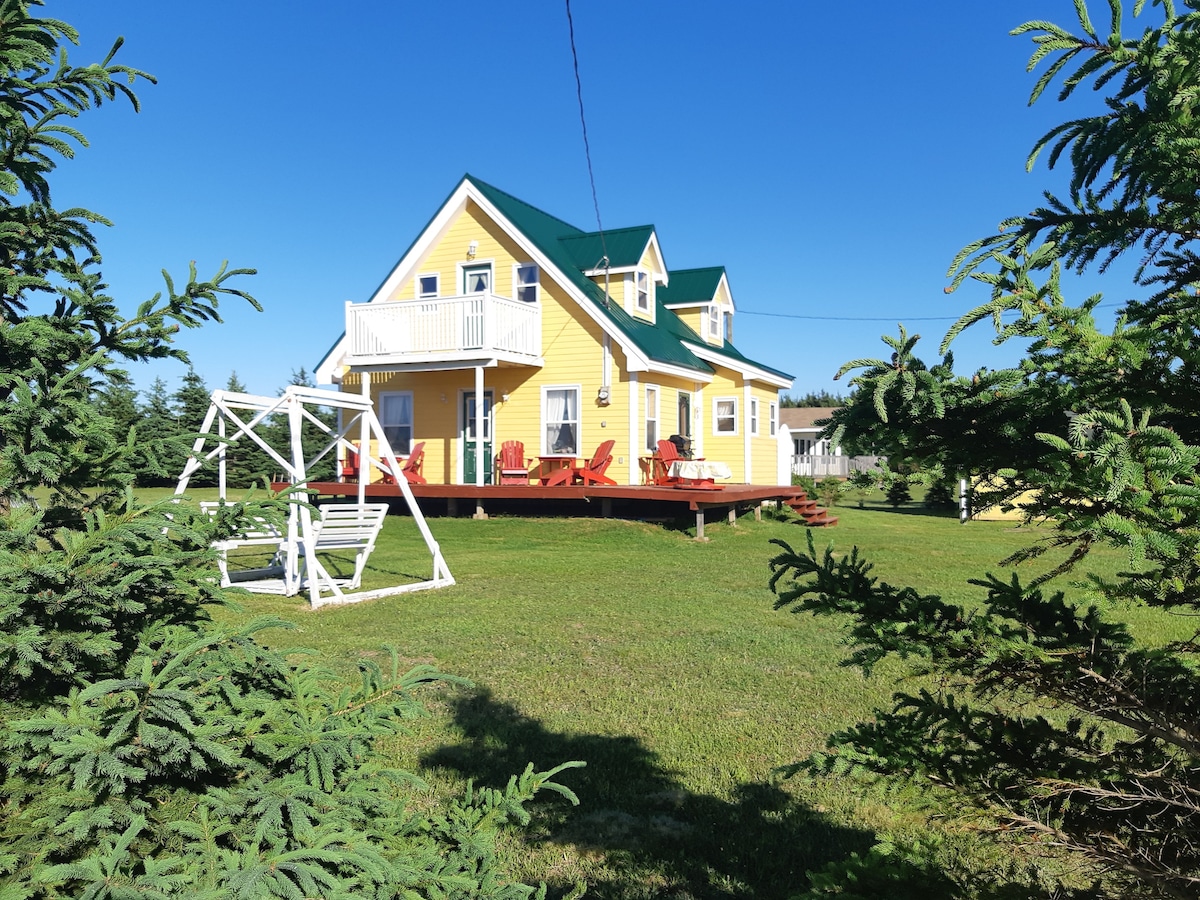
(685, 414)
(754, 416)
(652, 419)
(643, 292)
(728, 328)
(526, 280)
(725, 415)
(560, 421)
(396, 417)
(477, 280)
(773, 414)
(427, 286)
(714, 321)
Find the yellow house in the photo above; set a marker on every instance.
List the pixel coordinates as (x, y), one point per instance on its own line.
(502, 322)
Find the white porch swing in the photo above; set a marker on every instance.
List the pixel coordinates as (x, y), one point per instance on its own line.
(348, 527)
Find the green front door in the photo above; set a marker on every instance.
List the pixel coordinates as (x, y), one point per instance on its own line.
(468, 437)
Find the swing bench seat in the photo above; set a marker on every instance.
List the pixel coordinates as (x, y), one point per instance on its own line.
(347, 527)
(260, 533)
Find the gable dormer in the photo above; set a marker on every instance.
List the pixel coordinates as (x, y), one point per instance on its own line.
(635, 269)
(702, 300)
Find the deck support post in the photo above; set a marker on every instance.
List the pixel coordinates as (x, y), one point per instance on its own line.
(480, 512)
(700, 525)
(606, 507)
(451, 507)
(732, 517)
(757, 512)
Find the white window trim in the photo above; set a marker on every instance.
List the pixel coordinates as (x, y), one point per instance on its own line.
(773, 416)
(412, 437)
(637, 291)
(714, 328)
(653, 396)
(715, 421)
(437, 285)
(546, 388)
(755, 408)
(516, 282)
(461, 267)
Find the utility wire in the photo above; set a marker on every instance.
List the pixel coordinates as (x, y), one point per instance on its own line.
(898, 318)
(587, 150)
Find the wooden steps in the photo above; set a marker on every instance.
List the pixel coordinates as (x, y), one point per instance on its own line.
(814, 515)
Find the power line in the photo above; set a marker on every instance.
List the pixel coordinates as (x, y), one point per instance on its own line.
(587, 150)
(747, 312)
(896, 318)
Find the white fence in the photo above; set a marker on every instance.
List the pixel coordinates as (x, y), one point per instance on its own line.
(443, 326)
(822, 466)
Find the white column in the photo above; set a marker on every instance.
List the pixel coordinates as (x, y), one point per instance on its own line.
(635, 445)
(479, 426)
(783, 454)
(364, 443)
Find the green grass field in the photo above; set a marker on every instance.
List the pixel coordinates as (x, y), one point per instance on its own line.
(660, 662)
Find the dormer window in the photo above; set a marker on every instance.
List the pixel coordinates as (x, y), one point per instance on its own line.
(643, 292)
(714, 322)
(729, 328)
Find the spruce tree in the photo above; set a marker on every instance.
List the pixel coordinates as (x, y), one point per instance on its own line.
(147, 750)
(160, 458)
(190, 403)
(1045, 717)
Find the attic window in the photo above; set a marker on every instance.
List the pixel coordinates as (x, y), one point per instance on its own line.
(428, 286)
(729, 328)
(643, 292)
(714, 321)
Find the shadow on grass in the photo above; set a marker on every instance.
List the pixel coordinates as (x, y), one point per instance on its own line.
(657, 839)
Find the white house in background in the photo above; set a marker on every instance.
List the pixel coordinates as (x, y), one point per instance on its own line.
(806, 435)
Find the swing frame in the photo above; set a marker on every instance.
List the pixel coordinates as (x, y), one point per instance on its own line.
(296, 567)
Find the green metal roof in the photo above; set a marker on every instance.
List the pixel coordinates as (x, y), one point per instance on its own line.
(624, 246)
(689, 286)
(573, 251)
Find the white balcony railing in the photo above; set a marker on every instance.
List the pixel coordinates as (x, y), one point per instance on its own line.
(445, 328)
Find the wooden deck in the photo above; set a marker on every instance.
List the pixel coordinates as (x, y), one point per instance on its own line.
(649, 502)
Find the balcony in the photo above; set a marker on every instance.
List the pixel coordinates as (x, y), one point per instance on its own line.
(476, 329)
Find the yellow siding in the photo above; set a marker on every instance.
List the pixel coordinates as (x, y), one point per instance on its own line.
(650, 261)
(764, 449)
(694, 318)
(572, 349)
(616, 287)
(446, 257)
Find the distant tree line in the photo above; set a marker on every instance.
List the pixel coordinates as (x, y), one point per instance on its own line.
(164, 425)
(812, 399)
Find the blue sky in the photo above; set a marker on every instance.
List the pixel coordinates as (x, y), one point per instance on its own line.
(833, 157)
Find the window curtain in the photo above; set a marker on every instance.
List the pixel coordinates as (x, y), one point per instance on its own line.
(562, 417)
(396, 417)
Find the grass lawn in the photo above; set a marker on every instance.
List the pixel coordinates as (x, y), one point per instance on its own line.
(661, 663)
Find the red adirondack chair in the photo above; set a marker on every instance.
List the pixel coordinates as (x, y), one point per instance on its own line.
(661, 462)
(410, 467)
(592, 472)
(512, 465)
(350, 464)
